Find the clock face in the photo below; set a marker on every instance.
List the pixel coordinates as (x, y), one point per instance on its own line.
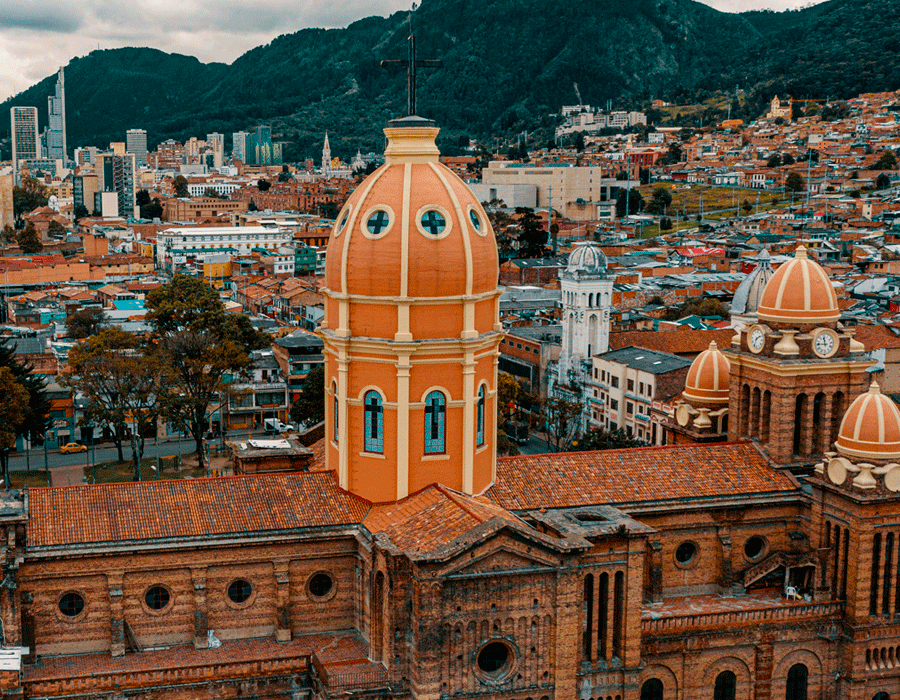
(757, 339)
(823, 344)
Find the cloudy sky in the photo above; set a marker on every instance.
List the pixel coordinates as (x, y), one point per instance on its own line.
(37, 36)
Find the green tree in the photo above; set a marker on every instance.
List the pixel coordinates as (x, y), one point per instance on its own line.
(673, 155)
(80, 211)
(794, 182)
(630, 199)
(56, 229)
(29, 240)
(142, 198)
(596, 439)
(787, 159)
(562, 420)
(665, 224)
(199, 348)
(578, 142)
(746, 206)
(508, 389)
(532, 236)
(882, 182)
(263, 185)
(31, 195)
(309, 407)
(36, 416)
(213, 193)
(9, 234)
(886, 161)
(153, 210)
(774, 160)
(13, 405)
(698, 306)
(661, 200)
(85, 322)
(181, 186)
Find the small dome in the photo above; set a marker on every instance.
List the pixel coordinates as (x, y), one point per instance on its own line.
(871, 427)
(749, 293)
(707, 378)
(799, 292)
(412, 228)
(586, 259)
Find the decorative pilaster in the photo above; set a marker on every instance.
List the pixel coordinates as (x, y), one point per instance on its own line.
(283, 601)
(201, 617)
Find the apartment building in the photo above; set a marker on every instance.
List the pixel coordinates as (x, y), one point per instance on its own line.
(181, 241)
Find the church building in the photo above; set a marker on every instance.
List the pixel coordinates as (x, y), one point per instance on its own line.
(410, 562)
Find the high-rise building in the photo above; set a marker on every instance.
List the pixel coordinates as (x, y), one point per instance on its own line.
(116, 173)
(136, 143)
(216, 144)
(25, 138)
(56, 131)
(239, 145)
(261, 150)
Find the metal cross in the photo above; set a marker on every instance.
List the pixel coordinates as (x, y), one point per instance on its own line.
(434, 222)
(411, 64)
(378, 222)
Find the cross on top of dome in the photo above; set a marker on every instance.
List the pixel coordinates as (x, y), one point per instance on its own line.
(411, 64)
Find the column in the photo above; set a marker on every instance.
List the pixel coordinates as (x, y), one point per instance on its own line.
(116, 613)
(468, 455)
(282, 601)
(201, 618)
(343, 365)
(656, 569)
(403, 371)
(753, 413)
(727, 570)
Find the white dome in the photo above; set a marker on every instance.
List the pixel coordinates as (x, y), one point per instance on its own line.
(748, 294)
(586, 259)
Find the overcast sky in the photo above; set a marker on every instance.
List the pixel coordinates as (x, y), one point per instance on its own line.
(38, 36)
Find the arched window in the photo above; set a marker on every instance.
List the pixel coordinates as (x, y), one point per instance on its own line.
(479, 417)
(590, 299)
(797, 682)
(335, 412)
(374, 428)
(435, 414)
(881, 695)
(726, 682)
(652, 690)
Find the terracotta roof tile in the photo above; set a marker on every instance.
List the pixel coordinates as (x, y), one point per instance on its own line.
(184, 508)
(634, 476)
(678, 342)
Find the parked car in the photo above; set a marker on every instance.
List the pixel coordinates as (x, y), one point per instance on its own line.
(72, 447)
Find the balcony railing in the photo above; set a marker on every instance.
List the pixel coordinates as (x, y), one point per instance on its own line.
(748, 617)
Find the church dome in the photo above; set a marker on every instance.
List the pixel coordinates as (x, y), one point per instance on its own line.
(749, 293)
(587, 259)
(799, 292)
(412, 228)
(871, 427)
(707, 378)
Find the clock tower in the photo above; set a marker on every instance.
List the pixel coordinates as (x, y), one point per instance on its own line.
(794, 371)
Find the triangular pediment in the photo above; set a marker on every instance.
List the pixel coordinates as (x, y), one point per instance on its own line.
(504, 555)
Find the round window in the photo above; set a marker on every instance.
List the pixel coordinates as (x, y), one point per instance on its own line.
(157, 597)
(494, 659)
(71, 604)
(434, 222)
(239, 591)
(476, 221)
(320, 585)
(755, 547)
(344, 220)
(378, 222)
(685, 553)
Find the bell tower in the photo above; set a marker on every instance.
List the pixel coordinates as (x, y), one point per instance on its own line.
(411, 328)
(794, 371)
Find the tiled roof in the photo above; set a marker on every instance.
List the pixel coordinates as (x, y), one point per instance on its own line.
(431, 518)
(186, 508)
(632, 476)
(678, 342)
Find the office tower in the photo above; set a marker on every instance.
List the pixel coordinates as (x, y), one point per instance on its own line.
(261, 150)
(239, 145)
(25, 139)
(136, 143)
(116, 174)
(56, 131)
(216, 144)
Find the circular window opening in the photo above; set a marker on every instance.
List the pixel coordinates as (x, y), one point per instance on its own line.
(755, 547)
(685, 553)
(476, 222)
(320, 585)
(378, 222)
(434, 222)
(71, 605)
(343, 221)
(239, 591)
(494, 659)
(157, 597)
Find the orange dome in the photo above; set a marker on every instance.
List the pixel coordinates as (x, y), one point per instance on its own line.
(707, 378)
(412, 228)
(871, 427)
(799, 292)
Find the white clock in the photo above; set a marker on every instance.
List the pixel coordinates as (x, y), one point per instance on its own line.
(756, 340)
(825, 342)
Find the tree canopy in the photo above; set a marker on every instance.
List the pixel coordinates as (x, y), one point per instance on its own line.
(309, 408)
(30, 195)
(85, 322)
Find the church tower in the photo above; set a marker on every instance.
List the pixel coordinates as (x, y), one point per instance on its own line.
(586, 302)
(411, 328)
(326, 157)
(794, 371)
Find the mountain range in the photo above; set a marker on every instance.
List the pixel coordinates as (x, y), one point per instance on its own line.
(508, 65)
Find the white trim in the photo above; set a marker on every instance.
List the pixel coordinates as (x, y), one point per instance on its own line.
(448, 227)
(364, 222)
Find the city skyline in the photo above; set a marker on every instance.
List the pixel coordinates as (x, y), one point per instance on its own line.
(38, 37)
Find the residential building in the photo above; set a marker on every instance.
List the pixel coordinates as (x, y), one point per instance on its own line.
(116, 174)
(174, 243)
(297, 354)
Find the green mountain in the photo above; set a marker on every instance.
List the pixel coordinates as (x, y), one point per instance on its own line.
(507, 65)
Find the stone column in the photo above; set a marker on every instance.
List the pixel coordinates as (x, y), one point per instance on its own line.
(727, 578)
(283, 602)
(567, 647)
(116, 613)
(656, 569)
(201, 618)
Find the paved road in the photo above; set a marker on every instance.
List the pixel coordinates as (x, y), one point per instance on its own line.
(535, 446)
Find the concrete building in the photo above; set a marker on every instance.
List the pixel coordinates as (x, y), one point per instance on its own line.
(136, 143)
(26, 142)
(239, 141)
(116, 173)
(175, 242)
(56, 129)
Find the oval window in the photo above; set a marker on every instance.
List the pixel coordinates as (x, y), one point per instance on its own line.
(475, 219)
(320, 585)
(71, 604)
(157, 597)
(685, 553)
(239, 591)
(755, 547)
(433, 222)
(344, 220)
